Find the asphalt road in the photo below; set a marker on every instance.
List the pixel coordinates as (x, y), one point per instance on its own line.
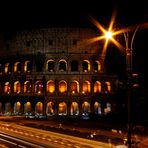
(83, 129)
(21, 136)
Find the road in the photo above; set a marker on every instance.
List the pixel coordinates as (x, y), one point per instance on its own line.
(86, 131)
(24, 136)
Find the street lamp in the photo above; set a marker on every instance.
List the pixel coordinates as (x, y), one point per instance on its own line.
(129, 67)
(128, 52)
(129, 71)
(108, 35)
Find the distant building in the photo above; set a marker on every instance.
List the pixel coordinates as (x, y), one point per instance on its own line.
(55, 71)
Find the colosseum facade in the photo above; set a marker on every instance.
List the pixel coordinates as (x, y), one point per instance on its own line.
(55, 71)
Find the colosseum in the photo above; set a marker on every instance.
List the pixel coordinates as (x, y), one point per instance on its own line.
(55, 71)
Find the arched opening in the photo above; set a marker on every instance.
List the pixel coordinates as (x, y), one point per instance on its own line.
(107, 87)
(85, 108)
(97, 66)
(108, 108)
(86, 87)
(27, 66)
(27, 87)
(62, 109)
(17, 67)
(74, 109)
(97, 87)
(49, 109)
(17, 108)
(50, 65)
(86, 66)
(17, 87)
(50, 86)
(39, 108)
(27, 108)
(8, 109)
(62, 65)
(7, 88)
(7, 68)
(62, 86)
(97, 108)
(74, 87)
(39, 87)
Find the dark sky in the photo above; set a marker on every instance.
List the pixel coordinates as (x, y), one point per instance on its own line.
(72, 13)
(33, 13)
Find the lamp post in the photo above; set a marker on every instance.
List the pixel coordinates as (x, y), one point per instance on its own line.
(129, 66)
(128, 53)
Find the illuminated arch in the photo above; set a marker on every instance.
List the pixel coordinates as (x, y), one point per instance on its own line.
(97, 66)
(7, 67)
(50, 86)
(17, 87)
(97, 87)
(62, 86)
(27, 66)
(108, 108)
(86, 87)
(39, 87)
(17, 67)
(86, 66)
(27, 107)
(27, 87)
(39, 108)
(62, 110)
(49, 109)
(50, 65)
(74, 87)
(7, 88)
(74, 109)
(62, 65)
(97, 108)
(108, 86)
(85, 107)
(17, 108)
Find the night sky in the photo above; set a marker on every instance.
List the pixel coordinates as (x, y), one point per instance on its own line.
(74, 13)
(44, 13)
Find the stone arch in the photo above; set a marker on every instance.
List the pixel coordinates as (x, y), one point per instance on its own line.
(27, 107)
(62, 108)
(74, 109)
(39, 108)
(50, 86)
(62, 86)
(49, 109)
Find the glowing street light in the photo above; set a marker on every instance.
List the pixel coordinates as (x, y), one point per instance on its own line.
(108, 35)
(128, 52)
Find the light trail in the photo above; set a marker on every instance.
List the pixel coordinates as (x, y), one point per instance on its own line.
(18, 140)
(50, 139)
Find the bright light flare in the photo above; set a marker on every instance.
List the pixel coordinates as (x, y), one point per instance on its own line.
(108, 35)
